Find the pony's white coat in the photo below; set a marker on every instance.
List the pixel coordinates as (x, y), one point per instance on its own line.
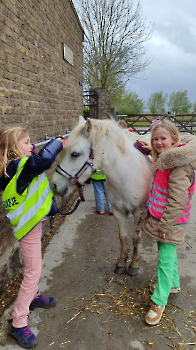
(129, 174)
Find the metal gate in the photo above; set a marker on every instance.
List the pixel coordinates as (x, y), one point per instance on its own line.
(140, 123)
(90, 104)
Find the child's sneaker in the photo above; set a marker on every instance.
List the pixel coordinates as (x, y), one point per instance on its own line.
(154, 314)
(25, 338)
(173, 290)
(101, 212)
(42, 302)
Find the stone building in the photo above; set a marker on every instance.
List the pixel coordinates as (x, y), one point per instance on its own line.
(42, 71)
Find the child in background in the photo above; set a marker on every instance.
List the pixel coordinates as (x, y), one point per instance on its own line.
(99, 179)
(168, 211)
(28, 198)
(123, 125)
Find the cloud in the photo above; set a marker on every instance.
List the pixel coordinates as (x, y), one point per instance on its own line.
(172, 49)
(183, 37)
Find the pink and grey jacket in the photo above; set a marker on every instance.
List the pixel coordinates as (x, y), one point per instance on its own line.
(159, 197)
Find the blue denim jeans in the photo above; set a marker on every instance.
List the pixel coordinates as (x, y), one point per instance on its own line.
(99, 191)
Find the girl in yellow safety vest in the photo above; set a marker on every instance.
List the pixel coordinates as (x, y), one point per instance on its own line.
(28, 198)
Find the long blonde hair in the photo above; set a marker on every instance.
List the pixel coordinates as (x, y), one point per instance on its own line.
(9, 149)
(171, 128)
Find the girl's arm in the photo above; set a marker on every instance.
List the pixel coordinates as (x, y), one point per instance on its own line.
(38, 163)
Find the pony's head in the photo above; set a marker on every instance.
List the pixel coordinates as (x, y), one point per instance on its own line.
(74, 160)
(103, 137)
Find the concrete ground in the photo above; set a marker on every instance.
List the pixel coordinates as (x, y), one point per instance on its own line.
(99, 310)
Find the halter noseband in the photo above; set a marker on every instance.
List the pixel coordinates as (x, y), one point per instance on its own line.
(64, 173)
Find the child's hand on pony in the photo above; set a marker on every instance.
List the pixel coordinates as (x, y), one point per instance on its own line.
(60, 138)
(144, 144)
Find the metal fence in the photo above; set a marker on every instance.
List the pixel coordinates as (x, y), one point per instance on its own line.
(90, 99)
(140, 123)
(48, 138)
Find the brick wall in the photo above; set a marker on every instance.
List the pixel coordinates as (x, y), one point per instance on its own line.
(104, 103)
(40, 90)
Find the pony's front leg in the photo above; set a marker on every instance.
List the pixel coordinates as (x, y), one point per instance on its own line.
(136, 238)
(122, 220)
(133, 268)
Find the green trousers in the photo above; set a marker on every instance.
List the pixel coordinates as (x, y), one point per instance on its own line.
(168, 276)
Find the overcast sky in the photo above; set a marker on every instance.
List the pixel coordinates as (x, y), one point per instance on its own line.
(172, 49)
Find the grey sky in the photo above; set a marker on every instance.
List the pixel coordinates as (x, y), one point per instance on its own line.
(172, 49)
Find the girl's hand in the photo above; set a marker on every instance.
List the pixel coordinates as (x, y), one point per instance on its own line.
(64, 141)
(161, 234)
(145, 145)
(59, 139)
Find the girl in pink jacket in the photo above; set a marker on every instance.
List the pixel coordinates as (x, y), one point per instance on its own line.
(168, 210)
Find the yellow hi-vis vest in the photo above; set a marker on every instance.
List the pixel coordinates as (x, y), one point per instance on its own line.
(98, 175)
(27, 209)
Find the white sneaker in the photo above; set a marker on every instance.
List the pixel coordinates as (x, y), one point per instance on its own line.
(173, 290)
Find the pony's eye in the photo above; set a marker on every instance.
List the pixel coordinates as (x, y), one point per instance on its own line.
(75, 154)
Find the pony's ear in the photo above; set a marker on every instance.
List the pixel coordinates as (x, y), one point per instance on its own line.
(81, 119)
(87, 126)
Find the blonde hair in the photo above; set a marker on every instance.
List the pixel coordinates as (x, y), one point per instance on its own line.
(171, 128)
(122, 123)
(9, 149)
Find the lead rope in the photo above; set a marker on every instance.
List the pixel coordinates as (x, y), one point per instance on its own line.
(78, 201)
(76, 205)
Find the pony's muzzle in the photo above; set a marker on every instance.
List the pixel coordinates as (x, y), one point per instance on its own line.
(57, 192)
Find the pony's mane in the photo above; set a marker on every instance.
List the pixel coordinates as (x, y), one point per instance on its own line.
(107, 129)
(77, 131)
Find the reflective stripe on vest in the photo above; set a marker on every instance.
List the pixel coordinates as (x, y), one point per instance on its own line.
(159, 197)
(27, 209)
(98, 175)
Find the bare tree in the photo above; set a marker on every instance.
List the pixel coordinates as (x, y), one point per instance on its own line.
(115, 33)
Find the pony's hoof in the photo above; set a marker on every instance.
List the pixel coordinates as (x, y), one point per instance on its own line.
(132, 272)
(119, 270)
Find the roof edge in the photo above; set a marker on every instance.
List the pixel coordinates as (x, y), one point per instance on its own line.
(74, 9)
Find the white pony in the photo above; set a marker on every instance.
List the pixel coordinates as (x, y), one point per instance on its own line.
(129, 175)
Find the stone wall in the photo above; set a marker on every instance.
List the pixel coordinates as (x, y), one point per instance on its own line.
(40, 89)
